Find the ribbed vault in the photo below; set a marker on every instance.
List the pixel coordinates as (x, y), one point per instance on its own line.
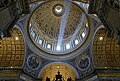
(106, 51)
(58, 26)
(12, 50)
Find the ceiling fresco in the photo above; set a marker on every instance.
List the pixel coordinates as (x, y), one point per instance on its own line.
(58, 26)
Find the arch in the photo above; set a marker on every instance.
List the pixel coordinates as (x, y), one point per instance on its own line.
(12, 50)
(63, 68)
(23, 36)
(99, 27)
(106, 51)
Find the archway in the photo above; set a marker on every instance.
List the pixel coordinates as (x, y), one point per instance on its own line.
(106, 51)
(51, 70)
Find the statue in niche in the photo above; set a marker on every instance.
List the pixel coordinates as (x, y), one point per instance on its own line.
(58, 77)
(69, 79)
(47, 79)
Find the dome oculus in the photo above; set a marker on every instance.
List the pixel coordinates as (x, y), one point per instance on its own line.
(58, 10)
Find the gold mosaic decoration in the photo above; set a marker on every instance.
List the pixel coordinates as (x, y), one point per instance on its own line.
(52, 70)
(49, 24)
(57, 26)
(10, 74)
(106, 51)
(12, 50)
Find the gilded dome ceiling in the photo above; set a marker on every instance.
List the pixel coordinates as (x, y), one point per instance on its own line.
(57, 24)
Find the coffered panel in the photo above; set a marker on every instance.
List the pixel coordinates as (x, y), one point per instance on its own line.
(12, 50)
(106, 51)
